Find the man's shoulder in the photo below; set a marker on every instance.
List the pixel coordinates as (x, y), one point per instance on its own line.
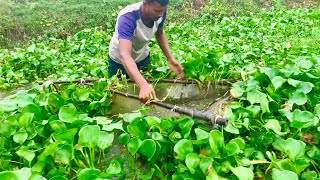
(131, 8)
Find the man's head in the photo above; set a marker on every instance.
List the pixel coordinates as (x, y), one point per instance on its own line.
(161, 2)
(155, 8)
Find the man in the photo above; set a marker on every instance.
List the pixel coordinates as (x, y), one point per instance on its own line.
(128, 50)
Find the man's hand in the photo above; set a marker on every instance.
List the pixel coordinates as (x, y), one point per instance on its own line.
(147, 94)
(177, 68)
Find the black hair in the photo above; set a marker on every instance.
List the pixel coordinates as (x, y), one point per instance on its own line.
(161, 2)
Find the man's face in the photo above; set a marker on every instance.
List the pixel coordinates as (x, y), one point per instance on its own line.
(155, 10)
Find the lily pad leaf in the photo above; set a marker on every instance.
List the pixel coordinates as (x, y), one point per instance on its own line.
(105, 140)
(148, 148)
(134, 145)
(85, 174)
(298, 98)
(183, 148)
(274, 125)
(243, 173)
(216, 141)
(68, 113)
(192, 162)
(89, 135)
(284, 174)
(115, 167)
(294, 148)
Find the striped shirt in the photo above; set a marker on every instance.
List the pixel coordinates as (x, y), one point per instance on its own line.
(130, 26)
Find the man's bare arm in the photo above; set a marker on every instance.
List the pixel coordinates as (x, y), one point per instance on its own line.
(163, 43)
(125, 47)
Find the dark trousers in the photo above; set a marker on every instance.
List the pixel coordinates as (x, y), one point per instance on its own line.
(114, 67)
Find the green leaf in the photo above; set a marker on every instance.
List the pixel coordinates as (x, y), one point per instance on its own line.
(58, 126)
(278, 81)
(6, 129)
(293, 82)
(300, 118)
(186, 126)
(64, 153)
(82, 94)
(305, 87)
(148, 148)
(274, 125)
(231, 129)
(25, 119)
(294, 148)
(129, 117)
(309, 175)
(65, 136)
(8, 105)
(133, 145)
(36, 177)
(124, 138)
(232, 148)
(8, 175)
(89, 135)
(298, 98)
(33, 108)
(158, 137)
(138, 127)
(243, 173)
(20, 137)
(105, 140)
(21, 174)
(26, 154)
(279, 144)
(31, 48)
(314, 153)
(216, 141)
(241, 143)
(236, 92)
(68, 113)
(284, 174)
(192, 162)
(152, 120)
(25, 100)
(285, 164)
(48, 151)
(146, 176)
(317, 110)
(205, 164)
(53, 100)
(85, 174)
(110, 127)
(115, 167)
(252, 96)
(300, 164)
(183, 148)
(201, 134)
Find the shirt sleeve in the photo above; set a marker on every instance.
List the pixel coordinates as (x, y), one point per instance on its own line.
(164, 18)
(126, 26)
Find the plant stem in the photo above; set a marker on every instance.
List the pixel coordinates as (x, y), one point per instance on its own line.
(91, 150)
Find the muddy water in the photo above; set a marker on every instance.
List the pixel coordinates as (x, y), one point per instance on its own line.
(5, 94)
(184, 95)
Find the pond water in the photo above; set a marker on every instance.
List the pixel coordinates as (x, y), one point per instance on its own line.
(190, 96)
(5, 94)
